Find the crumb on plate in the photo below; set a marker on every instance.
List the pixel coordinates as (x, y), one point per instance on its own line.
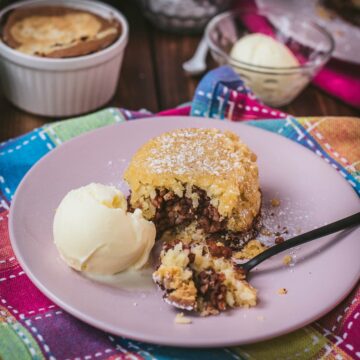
(282, 291)
(287, 259)
(181, 319)
(275, 202)
(260, 318)
(279, 240)
(265, 232)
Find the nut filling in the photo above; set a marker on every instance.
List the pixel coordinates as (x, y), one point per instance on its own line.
(173, 211)
(202, 278)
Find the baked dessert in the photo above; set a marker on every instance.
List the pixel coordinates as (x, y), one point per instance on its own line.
(58, 31)
(201, 177)
(202, 277)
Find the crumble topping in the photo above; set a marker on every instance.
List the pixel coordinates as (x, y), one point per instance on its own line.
(202, 154)
(58, 31)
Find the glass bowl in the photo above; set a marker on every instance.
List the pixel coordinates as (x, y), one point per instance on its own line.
(182, 16)
(276, 86)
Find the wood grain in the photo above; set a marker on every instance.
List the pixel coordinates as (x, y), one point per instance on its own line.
(152, 78)
(314, 102)
(170, 51)
(137, 83)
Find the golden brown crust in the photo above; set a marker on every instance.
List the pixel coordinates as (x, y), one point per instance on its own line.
(208, 159)
(78, 32)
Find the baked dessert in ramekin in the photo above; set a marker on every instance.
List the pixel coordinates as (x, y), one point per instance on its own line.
(58, 31)
(61, 57)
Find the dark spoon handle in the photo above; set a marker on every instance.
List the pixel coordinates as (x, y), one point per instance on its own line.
(302, 239)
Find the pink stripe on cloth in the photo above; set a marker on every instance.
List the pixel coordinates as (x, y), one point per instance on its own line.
(177, 111)
(242, 106)
(342, 80)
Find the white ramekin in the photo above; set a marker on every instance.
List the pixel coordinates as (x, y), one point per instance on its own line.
(63, 87)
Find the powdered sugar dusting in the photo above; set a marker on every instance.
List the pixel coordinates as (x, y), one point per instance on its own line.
(196, 150)
(286, 221)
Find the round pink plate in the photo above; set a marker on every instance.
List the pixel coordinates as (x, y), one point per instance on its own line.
(311, 192)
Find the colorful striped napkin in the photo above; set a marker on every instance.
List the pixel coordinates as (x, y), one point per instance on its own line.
(32, 327)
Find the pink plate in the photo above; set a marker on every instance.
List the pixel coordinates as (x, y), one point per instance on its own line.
(311, 192)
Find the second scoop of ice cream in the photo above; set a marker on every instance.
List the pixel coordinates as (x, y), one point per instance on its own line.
(94, 233)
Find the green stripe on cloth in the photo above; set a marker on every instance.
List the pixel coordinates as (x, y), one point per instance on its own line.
(15, 340)
(305, 343)
(62, 131)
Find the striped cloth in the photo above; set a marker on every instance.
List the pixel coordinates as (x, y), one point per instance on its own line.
(32, 327)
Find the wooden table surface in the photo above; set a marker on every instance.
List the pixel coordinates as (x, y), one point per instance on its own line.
(152, 78)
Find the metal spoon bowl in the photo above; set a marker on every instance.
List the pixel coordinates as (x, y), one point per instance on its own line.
(197, 64)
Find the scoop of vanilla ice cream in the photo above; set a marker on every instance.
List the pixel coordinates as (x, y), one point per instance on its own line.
(262, 50)
(274, 86)
(94, 233)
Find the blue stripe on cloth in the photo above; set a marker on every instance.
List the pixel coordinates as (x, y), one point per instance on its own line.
(211, 96)
(18, 156)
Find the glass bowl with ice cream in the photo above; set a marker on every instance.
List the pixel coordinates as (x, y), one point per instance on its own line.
(276, 55)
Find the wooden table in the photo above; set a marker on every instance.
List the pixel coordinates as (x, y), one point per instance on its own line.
(152, 78)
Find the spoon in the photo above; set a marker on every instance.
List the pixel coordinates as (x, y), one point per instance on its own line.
(197, 64)
(336, 226)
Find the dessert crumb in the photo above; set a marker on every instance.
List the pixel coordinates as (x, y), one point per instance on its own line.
(282, 291)
(260, 318)
(135, 303)
(279, 240)
(181, 319)
(251, 249)
(287, 260)
(339, 33)
(265, 232)
(275, 202)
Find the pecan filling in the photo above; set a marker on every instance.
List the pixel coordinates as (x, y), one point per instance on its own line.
(212, 289)
(172, 210)
(202, 278)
